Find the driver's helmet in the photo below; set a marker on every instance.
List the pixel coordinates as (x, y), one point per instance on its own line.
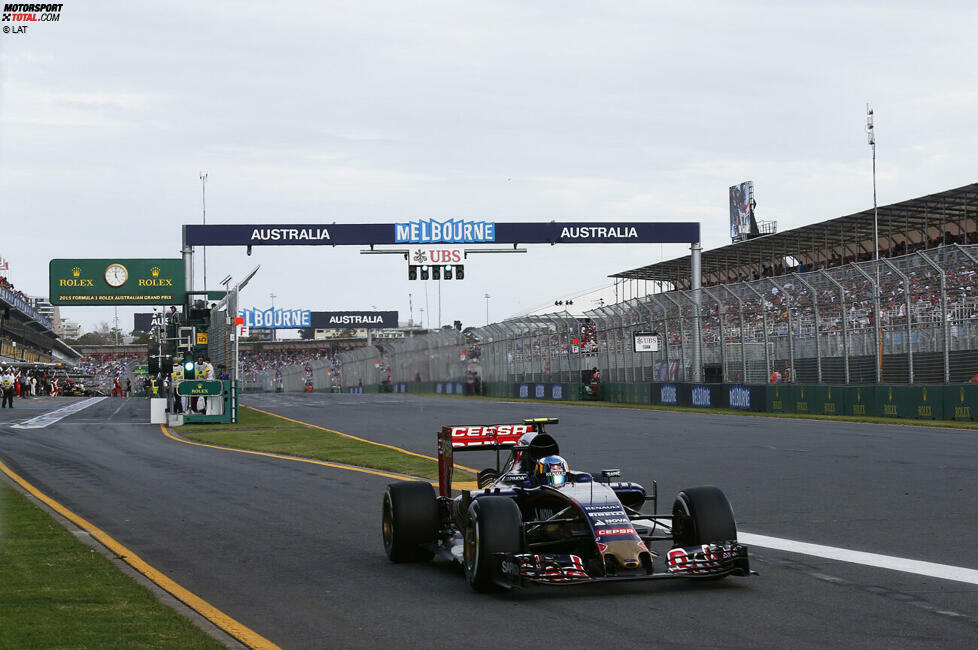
(551, 470)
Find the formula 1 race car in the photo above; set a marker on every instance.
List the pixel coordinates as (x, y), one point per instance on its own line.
(533, 520)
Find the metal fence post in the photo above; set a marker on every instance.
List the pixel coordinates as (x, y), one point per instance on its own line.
(818, 345)
(876, 319)
(682, 346)
(792, 302)
(723, 343)
(906, 306)
(743, 334)
(767, 345)
(845, 327)
(944, 316)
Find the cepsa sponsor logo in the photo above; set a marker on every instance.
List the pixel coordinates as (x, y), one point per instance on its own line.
(502, 434)
(614, 532)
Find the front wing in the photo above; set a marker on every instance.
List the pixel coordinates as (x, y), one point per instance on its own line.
(706, 561)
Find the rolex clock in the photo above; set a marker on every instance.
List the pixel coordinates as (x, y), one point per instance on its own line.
(116, 275)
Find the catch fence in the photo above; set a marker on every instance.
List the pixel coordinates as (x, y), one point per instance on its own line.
(903, 320)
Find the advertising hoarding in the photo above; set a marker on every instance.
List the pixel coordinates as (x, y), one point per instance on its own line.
(276, 318)
(354, 319)
(116, 281)
(742, 223)
(645, 342)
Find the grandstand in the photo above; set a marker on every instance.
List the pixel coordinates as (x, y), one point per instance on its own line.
(26, 335)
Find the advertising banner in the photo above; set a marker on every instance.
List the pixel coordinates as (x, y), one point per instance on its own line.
(276, 318)
(442, 231)
(117, 281)
(353, 319)
(742, 210)
(645, 342)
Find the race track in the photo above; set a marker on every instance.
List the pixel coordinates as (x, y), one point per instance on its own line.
(293, 550)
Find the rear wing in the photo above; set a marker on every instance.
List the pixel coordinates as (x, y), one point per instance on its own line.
(479, 437)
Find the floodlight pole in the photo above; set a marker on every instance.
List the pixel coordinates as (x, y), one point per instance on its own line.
(203, 203)
(871, 140)
(487, 296)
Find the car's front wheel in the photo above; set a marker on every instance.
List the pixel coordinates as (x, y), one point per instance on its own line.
(493, 525)
(702, 515)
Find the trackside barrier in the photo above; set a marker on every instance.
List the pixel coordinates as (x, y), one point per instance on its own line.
(928, 402)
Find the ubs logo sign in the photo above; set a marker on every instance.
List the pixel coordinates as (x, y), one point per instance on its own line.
(667, 394)
(701, 396)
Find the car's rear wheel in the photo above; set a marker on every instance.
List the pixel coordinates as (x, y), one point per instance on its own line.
(493, 525)
(410, 521)
(702, 515)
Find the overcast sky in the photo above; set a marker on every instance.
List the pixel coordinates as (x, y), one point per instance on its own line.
(508, 111)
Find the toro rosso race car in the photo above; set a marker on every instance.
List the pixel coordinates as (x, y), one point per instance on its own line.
(533, 520)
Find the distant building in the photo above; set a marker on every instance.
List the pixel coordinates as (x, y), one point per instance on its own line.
(49, 311)
(70, 330)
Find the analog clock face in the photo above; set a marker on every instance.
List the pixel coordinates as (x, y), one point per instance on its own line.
(116, 275)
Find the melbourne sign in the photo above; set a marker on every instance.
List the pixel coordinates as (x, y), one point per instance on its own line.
(442, 231)
(116, 281)
(277, 318)
(430, 231)
(354, 319)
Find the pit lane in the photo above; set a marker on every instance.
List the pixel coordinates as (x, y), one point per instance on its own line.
(293, 550)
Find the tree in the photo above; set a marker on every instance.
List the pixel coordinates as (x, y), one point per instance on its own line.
(307, 333)
(96, 338)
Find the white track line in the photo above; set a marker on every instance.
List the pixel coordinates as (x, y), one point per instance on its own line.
(930, 569)
(918, 567)
(50, 418)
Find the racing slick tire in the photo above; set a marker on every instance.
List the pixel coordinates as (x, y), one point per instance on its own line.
(493, 525)
(702, 515)
(410, 521)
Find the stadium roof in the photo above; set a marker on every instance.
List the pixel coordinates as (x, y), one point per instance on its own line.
(951, 212)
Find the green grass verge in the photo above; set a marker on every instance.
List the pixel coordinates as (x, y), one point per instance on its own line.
(56, 592)
(261, 432)
(948, 424)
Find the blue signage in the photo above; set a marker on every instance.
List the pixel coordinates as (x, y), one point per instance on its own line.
(453, 231)
(739, 397)
(445, 231)
(277, 318)
(668, 394)
(701, 396)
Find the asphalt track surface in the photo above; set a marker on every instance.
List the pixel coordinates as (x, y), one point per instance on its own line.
(293, 550)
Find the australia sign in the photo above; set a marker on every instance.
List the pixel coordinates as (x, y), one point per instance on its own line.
(443, 231)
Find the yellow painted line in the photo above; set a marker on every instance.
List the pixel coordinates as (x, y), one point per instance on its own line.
(347, 435)
(268, 454)
(456, 485)
(236, 629)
